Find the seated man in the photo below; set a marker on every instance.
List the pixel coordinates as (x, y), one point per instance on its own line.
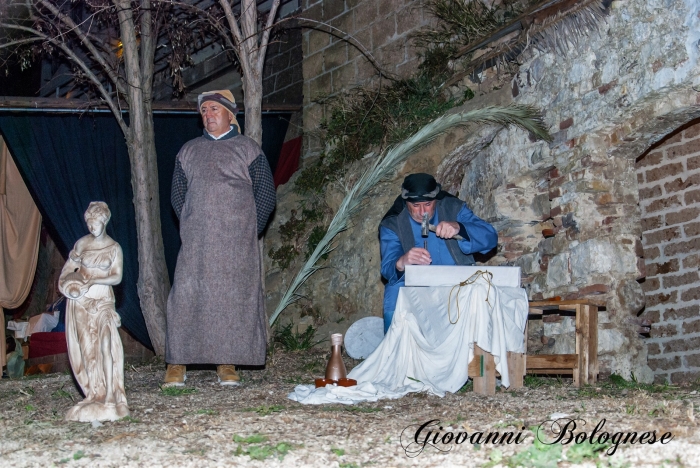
(400, 238)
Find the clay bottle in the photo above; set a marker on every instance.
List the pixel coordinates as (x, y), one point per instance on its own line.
(335, 370)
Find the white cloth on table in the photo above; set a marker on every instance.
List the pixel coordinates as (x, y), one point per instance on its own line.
(424, 351)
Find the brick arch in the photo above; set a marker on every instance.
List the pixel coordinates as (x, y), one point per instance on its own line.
(668, 176)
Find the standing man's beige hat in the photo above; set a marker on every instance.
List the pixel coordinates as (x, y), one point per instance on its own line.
(223, 97)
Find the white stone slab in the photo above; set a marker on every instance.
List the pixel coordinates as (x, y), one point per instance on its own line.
(440, 275)
(363, 337)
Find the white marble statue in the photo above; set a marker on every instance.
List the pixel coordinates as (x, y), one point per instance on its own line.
(94, 347)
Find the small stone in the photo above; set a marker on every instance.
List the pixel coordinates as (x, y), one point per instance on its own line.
(96, 424)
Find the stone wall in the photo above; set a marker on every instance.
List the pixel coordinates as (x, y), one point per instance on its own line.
(668, 177)
(332, 65)
(567, 212)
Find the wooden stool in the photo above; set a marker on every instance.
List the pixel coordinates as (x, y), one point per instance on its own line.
(584, 364)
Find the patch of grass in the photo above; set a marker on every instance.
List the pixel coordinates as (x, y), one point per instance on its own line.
(348, 465)
(338, 451)
(467, 387)
(261, 452)
(616, 385)
(177, 391)
(208, 412)
(291, 340)
(296, 380)
(29, 408)
(78, 455)
(60, 393)
(533, 381)
(538, 455)
(252, 439)
(200, 452)
(579, 453)
(129, 419)
(266, 410)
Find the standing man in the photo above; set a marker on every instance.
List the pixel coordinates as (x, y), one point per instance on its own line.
(223, 194)
(400, 237)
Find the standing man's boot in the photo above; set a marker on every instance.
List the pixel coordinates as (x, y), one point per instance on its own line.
(175, 376)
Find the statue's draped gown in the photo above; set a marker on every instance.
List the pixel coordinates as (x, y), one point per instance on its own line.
(88, 319)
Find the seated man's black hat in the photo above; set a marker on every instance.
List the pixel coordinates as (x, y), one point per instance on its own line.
(421, 187)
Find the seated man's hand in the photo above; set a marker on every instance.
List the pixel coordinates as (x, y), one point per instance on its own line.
(415, 256)
(447, 229)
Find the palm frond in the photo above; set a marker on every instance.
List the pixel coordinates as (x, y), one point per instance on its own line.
(524, 117)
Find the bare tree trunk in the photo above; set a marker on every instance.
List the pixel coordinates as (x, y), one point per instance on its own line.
(153, 283)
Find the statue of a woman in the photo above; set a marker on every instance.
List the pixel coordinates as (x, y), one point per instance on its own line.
(94, 346)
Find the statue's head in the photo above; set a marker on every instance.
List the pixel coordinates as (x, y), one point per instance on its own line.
(99, 211)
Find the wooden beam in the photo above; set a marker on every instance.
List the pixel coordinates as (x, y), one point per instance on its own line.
(551, 361)
(82, 105)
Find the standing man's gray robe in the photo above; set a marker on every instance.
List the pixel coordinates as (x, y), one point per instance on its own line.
(215, 309)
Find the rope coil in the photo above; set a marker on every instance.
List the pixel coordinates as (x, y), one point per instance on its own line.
(487, 275)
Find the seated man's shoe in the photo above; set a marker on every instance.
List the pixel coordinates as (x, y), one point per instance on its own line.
(228, 375)
(175, 376)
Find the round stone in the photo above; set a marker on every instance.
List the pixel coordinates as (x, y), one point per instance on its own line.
(363, 337)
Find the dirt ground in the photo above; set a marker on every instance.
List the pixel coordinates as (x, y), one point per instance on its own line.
(256, 425)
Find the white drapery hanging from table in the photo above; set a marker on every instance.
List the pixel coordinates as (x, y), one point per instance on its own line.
(424, 351)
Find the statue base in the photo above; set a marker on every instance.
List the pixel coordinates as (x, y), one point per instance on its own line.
(94, 411)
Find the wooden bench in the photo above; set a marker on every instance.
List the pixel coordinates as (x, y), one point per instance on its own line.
(583, 365)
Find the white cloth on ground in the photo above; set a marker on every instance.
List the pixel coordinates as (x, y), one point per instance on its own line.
(423, 351)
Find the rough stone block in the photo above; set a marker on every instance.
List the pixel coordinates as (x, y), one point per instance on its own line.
(691, 261)
(318, 40)
(599, 256)
(692, 294)
(343, 77)
(653, 348)
(652, 158)
(693, 245)
(684, 376)
(682, 216)
(682, 184)
(335, 55)
(610, 341)
(345, 23)
(661, 298)
(333, 8)
(663, 204)
(386, 7)
(685, 344)
(407, 19)
(691, 230)
(651, 284)
(651, 253)
(320, 86)
(655, 269)
(558, 271)
(651, 223)
(662, 236)
(691, 132)
(650, 192)
(669, 363)
(682, 313)
(692, 327)
(382, 31)
(313, 65)
(692, 197)
(664, 171)
(640, 178)
(693, 163)
(686, 149)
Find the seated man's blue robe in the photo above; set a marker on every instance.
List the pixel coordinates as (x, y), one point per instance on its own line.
(479, 236)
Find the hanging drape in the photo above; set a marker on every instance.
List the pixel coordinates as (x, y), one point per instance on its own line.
(69, 160)
(20, 224)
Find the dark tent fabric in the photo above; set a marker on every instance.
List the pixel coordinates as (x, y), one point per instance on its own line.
(69, 160)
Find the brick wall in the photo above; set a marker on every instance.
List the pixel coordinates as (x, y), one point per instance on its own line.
(331, 65)
(669, 196)
(282, 78)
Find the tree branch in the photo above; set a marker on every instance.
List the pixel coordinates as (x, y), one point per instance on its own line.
(266, 34)
(81, 64)
(85, 40)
